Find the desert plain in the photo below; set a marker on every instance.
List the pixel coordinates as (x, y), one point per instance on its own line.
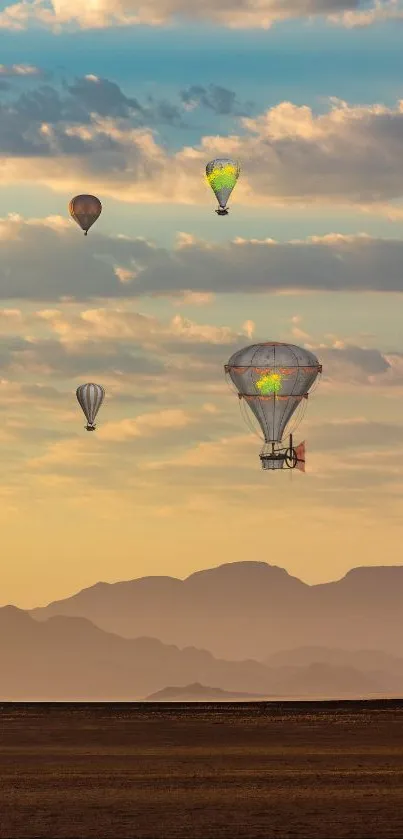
(271, 770)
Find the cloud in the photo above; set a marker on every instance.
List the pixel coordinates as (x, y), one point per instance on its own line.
(348, 153)
(48, 122)
(352, 367)
(47, 259)
(367, 15)
(74, 454)
(13, 71)
(138, 358)
(249, 328)
(355, 433)
(215, 455)
(194, 298)
(121, 324)
(169, 428)
(326, 263)
(153, 424)
(346, 461)
(335, 477)
(145, 425)
(220, 100)
(103, 97)
(238, 14)
(351, 362)
(349, 156)
(142, 358)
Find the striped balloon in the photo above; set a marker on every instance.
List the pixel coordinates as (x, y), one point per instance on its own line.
(90, 397)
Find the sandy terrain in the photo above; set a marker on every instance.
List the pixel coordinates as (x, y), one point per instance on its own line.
(247, 771)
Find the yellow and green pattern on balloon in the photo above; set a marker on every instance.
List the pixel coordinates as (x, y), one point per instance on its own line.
(224, 177)
(269, 384)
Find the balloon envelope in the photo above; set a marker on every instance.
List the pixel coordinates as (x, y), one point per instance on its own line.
(90, 397)
(273, 378)
(85, 210)
(222, 175)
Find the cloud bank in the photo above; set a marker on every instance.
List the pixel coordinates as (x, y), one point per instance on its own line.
(48, 260)
(92, 133)
(235, 14)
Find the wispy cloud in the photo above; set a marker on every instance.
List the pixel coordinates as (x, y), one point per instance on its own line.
(165, 357)
(237, 14)
(220, 100)
(13, 71)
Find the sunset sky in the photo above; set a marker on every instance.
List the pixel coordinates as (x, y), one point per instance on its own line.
(129, 101)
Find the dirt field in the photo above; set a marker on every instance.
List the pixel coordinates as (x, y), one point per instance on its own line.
(313, 770)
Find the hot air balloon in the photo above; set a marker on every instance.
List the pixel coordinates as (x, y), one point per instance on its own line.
(222, 175)
(273, 380)
(85, 210)
(90, 397)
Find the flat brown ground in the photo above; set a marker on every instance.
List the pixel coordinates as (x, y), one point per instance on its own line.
(319, 770)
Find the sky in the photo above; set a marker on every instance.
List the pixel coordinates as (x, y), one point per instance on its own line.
(129, 102)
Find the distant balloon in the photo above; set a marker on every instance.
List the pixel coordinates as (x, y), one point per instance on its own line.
(90, 397)
(273, 379)
(85, 210)
(222, 175)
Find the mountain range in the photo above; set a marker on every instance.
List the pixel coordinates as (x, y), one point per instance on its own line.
(246, 628)
(248, 610)
(70, 659)
(200, 693)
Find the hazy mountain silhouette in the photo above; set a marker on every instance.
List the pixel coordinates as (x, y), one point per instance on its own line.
(249, 609)
(67, 658)
(199, 693)
(360, 659)
(327, 680)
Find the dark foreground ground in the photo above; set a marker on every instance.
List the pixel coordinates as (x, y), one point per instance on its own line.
(319, 770)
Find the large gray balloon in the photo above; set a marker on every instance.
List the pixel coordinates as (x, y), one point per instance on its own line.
(90, 397)
(273, 378)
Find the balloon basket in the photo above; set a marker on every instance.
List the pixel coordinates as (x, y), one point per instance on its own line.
(272, 461)
(289, 457)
